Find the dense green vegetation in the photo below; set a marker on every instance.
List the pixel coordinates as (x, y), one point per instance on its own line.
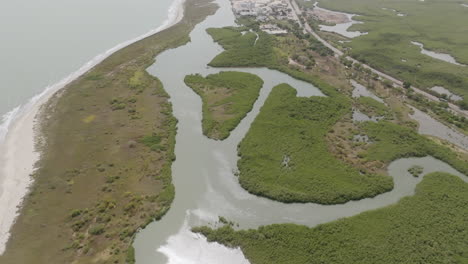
(253, 49)
(429, 227)
(392, 141)
(227, 98)
(258, 49)
(243, 51)
(372, 107)
(284, 155)
(105, 167)
(388, 45)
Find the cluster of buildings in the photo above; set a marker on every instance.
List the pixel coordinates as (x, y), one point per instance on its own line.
(264, 11)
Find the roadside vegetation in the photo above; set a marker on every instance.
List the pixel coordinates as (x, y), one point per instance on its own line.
(227, 98)
(388, 45)
(395, 234)
(105, 168)
(439, 109)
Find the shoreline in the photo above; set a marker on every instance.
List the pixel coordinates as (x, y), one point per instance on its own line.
(18, 136)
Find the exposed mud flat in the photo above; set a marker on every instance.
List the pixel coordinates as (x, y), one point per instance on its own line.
(342, 21)
(450, 95)
(361, 90)
(430, 126)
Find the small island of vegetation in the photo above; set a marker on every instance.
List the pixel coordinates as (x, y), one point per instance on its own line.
(416, 171)
(227, 98)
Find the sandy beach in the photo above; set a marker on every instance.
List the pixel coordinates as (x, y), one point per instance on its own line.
(18, 136)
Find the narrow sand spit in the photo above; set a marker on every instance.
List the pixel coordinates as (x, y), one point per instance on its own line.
(18, 154)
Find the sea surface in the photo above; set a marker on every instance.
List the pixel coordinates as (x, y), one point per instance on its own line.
(43, 41)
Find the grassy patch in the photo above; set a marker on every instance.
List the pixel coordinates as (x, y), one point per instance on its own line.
(372, 107)
(284, 156)
(429, 227)
(89, 119)
(227, 98)
(153, 141)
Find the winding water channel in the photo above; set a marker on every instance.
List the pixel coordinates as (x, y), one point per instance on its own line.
(203, 173)
(436, 55)
(341, 28)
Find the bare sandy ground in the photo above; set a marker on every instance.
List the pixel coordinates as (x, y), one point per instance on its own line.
(328, 16)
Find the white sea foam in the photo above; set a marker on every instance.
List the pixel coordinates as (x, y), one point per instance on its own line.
(7, 119)
(186, 247)
(17, 137)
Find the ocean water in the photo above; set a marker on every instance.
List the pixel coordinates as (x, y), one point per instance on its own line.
(43, 41)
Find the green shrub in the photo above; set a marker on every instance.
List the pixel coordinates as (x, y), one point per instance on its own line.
(96, 229)
(227, 98)
(416, 171)
(151, 141)
(76, 213)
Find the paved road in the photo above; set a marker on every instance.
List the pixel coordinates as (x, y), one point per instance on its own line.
(338, 53)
